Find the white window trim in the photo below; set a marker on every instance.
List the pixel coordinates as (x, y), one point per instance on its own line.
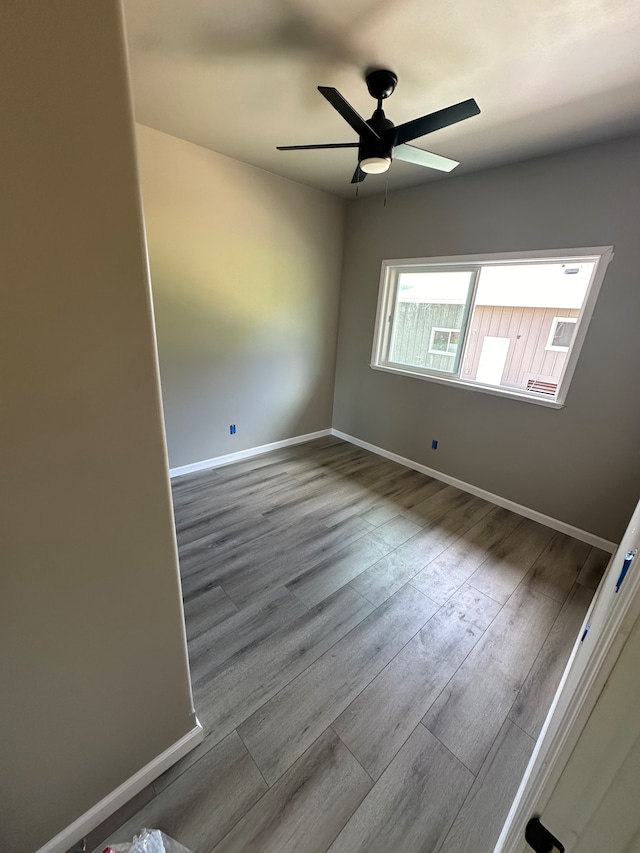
(552, 332)
(601, 255)
(439, 351)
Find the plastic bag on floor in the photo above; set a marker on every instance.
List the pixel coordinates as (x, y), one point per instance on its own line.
(148, 841)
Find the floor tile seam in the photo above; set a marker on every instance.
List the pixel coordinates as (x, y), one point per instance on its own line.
(337, 554)
(190, 574)
(447, 832)
(253, 761)
(586, 585)
(368, 568)
(459, 667)
(519, 682)
(389, 662)
(497, 735)
(534, 662)
(208, 523)
(395, 755)
(330, 522)
(466, 529)
(293, 592)
(527, 584)
(527, 734)
(194, 637)
(452, 753)
(454, 673)
(483, 592)
(557, 535)
(469, 797)
(302, 671)
(313, 513)
(353, 699)
(413, 586)
(491, 550)
(224, 496)
(228, 662)
(373, 604)
(285, 627)
(349, 750)
(186, 769)
(220, 501)
(228, 594)
(226, 538)
(542, 592)
(246, 812)
(275, 585)
(321, 559)
(449, 597)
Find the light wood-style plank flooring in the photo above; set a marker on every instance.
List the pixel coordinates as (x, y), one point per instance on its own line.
(373, 654)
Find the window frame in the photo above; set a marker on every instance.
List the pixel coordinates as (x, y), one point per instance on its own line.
(552, 333)
(601, 256)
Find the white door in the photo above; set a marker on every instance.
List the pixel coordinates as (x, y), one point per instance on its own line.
(575, 767)
(493, 357)
(594, 805)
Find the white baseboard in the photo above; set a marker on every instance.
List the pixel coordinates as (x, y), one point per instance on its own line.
(525, 511)
(123, 793)
(218, 461)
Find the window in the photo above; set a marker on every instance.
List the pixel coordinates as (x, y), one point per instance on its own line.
(562, 329)
(444, 341)
(504, 324)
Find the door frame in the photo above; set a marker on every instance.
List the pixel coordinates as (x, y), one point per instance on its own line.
(593, 657)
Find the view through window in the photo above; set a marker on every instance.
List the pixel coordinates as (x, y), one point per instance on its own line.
(506, 325)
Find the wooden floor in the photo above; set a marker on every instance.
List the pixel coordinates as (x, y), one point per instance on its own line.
(373, 654)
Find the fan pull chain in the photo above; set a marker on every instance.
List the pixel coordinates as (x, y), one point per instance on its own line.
(386, 190)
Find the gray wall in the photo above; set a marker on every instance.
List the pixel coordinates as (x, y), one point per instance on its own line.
(245, 268)
(94, 681)
(579, 464)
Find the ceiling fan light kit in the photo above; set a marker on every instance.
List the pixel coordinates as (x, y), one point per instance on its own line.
(375, 165)
(379, 139)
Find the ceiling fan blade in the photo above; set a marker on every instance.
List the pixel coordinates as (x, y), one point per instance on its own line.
(434, 121)
(411, 154)
(358, 176)
(324, 145)
(348, 113)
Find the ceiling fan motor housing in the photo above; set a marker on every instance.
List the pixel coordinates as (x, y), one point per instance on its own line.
(382, 147)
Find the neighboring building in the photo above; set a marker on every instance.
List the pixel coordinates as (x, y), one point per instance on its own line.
(520, 347)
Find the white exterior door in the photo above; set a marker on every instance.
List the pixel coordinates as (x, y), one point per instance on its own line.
(493, 358)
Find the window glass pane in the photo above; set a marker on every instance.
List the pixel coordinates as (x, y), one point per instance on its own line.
(563, 334)
(523, 323)
(428, 319)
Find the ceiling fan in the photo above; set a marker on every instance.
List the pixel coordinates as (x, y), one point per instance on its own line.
(380, 140)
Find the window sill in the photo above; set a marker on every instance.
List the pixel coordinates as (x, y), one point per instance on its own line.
(522, 396)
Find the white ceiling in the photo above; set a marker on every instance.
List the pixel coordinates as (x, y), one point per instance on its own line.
(240, 77)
